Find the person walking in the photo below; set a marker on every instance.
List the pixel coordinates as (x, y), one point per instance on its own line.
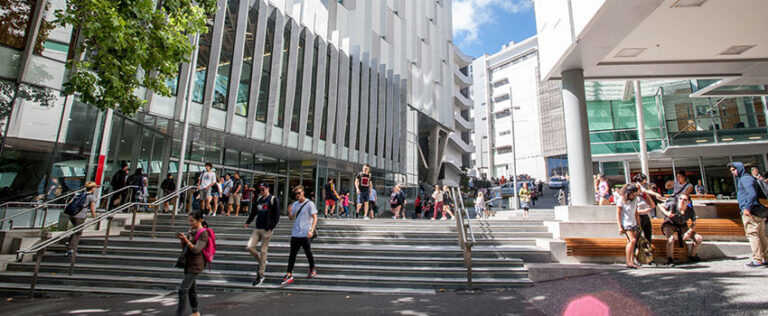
(119, 181)
(204, 183)
(525, 199)
(87, 201)
(345, 203)
(397, 202)
(438, 196)
(194, 262)
(627, 219)
(374, 207)
(304, 214)
(226, 193)
(448, 204)
(362, 188)
(604, 190)
(216, 196)
(331, 197)
(168, 186)
(480, 208)
(753, 214)
(266, 211)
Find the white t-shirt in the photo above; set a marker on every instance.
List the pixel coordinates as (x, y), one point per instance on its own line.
(303, 221)
(207, 178)
(628, 210)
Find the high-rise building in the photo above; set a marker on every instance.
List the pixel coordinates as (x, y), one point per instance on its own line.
(283, 92)
(518, 118)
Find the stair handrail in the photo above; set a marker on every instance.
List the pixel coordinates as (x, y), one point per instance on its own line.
(166, 198)
(40, 247)
(465, 243)
(37, 206)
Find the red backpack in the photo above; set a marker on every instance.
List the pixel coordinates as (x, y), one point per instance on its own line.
(210, 248)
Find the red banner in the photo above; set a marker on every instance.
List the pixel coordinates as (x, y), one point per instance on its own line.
(100, 169)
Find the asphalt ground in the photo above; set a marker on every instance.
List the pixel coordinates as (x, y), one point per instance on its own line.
(723, 287)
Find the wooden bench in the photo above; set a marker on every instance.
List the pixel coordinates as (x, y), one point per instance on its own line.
(703, 197)
(614, 247)
(726, 209)
(709, 227)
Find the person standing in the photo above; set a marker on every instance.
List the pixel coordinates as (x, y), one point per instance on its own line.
(753, 214)
(331, 197)
(204, 183)
(362, 187)
(372, 201)
(448, 204)
(77, 219)
(226, 193)
(168, 186)
(480, 211)
(194, 262)
(304, 212)
(525, 199)
(397, 202)
(216, 195)
(675, 226)
(267, 214)
(645, 204)
(627, 218)
(604, 190)
(118, 182)
(681, 185)
(345, 203)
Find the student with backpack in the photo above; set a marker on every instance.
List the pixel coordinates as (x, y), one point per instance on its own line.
(76, 209)
(199, 246)
(266, 211)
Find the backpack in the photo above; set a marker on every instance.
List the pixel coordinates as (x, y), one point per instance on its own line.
(76, 205)
(762, 192)
(644, 250)
(210, 249)
(393, 199)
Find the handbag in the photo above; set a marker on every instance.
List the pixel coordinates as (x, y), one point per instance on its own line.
(315, 232)
(181, 263)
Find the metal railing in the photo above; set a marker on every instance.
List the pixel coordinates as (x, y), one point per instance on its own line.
(39, 248)
(37, 206)
(466, 234)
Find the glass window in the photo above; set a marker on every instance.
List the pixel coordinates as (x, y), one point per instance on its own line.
(359, 105)
(231, 158)
(324, 122)
(15, 17)
(349, 104)
(224, 68)
(312, 94)
(266, 69)
(299, 79)
(203, 55)
(173, 83)
(244, 90)
(280, 111)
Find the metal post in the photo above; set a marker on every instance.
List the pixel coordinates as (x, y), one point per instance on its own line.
(133, 222)
(5, 211)
(154, 224)
(641, 128)
(514, 149)
(187, 105)
(106, 236)
(72, 258)
(42, 225)
(36, 272)
(468, 264)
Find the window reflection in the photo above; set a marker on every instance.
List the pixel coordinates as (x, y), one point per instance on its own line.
(280, 111)
(324, 122)
(203, 55)
(299, 85)
(266, 69)
(224, 69)
(244, 90)
(312, 93)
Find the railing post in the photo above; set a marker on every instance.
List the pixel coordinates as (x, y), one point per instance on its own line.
(36, 272)
(34, 217)
(133, 222)
(72, 259)
(106, 235)
(468, 264)
(42, 225)
(5, 211)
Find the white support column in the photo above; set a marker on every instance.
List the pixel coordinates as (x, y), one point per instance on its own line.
(577, 137)
(185, 132)
(641, 128)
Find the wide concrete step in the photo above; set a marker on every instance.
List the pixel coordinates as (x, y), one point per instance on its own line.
(517, 239)
(523, 252)
(359, 229)
(245, 273)
(243, 258)
(170, 280)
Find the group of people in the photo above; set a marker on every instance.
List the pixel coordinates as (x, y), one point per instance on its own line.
(637, 202)
(121, 179)
(366, 195)
(221, 195)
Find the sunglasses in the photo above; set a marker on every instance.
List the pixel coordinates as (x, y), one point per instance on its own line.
(297, 192)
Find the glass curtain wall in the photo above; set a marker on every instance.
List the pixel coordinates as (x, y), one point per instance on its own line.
(280, 111)
(224, 67)
(266, 69)
(312, 93)
(244, 91)
(299, 82)
(203, 55)
(324, 122)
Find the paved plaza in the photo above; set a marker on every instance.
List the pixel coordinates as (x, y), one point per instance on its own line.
(723, 287)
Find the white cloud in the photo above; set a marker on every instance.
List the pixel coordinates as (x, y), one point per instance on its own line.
(469, 16)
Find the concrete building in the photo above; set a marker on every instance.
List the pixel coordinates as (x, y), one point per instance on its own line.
(284, 92)
(716, 115)
(517, 116)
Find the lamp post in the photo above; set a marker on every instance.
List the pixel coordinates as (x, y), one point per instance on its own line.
(512, 109)
(185, 132)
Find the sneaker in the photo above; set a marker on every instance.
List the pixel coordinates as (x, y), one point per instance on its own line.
(694, 259)
(394, 217)
(755, 264)
(403, 218)
(259, 280)
(670, 262)
(288, 279)
(366, 218)
(70, 252)
(312, 274)
(432, 219)
(443, 219)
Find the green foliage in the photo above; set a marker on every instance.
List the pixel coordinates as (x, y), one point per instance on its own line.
(128, 44)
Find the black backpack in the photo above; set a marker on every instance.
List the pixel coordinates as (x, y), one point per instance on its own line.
(76, 205)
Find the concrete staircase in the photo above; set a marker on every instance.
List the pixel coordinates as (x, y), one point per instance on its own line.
(378, 256)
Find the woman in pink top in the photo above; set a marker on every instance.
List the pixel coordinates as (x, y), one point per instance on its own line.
(604, 191)
(345, 203)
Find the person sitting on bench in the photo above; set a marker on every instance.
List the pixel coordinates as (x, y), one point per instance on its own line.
(675, 227)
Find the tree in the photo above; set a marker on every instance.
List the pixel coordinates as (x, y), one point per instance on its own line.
(128, 44)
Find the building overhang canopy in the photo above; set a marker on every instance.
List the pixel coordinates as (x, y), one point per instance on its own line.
(657, 39)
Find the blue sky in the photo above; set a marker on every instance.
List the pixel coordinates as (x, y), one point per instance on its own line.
(483, 26)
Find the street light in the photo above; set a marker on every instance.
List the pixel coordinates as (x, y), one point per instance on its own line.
(512, 109)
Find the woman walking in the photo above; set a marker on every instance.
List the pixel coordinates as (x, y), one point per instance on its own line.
(628, 218)
(438, 196)
(216, 194)
(193, 262)
(448, 204)
(480, 209)
(604, 191)
(525, 199)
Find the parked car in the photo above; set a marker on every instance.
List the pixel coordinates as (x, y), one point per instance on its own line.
(508, 189)
(557, 183)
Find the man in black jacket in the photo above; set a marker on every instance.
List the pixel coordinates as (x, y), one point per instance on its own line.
(117, 183)
(266, 210)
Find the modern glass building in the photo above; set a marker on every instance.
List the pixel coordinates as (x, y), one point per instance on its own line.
(697, 134)
(283, 92)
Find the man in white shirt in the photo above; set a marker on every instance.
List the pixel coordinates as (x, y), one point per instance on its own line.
(204, 183)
